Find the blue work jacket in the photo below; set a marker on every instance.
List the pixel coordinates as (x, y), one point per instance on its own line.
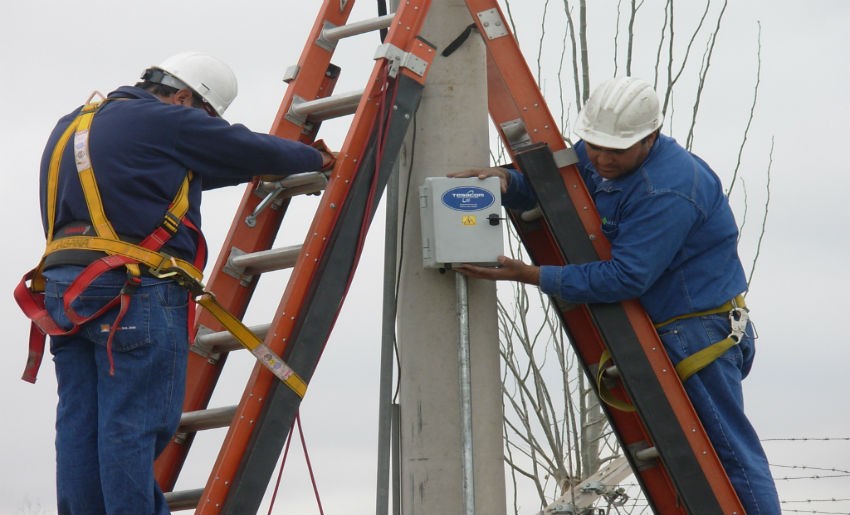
(141, 149)
(673, 236)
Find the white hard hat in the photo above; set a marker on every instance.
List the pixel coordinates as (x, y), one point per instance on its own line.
(619, 113)
(207, 76)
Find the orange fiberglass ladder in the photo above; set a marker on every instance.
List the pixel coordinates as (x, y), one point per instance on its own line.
(662, 438)
(323, 265)
(660, 433)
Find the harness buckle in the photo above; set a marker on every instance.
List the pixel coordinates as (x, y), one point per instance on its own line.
(165, 273)
(738, 319)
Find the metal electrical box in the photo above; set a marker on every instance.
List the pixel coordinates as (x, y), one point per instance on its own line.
(461, 221)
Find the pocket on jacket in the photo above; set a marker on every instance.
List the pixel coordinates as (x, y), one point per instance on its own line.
(610, 229)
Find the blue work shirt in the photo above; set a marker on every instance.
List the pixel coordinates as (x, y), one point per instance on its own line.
(673, 236)
(141, 149)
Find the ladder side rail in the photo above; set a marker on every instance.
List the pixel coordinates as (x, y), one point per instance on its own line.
(203, 369)
(315, 321)
(514, 95)
(402, 33)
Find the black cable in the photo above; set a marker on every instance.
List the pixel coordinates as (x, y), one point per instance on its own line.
(382, 11)
(458, 41)
(401, 252)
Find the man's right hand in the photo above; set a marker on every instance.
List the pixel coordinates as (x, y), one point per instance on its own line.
(483, 173)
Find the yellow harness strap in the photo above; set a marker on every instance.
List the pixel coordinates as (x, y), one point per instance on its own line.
(604, 392)
(250, 341)
(738, 316)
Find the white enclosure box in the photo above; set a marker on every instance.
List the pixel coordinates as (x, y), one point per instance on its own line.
(461, 221)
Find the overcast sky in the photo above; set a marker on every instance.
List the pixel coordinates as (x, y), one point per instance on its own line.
(55, 53)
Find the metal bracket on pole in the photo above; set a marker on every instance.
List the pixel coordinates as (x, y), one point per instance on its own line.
(516, 134)
(400, 59)
(494, 26)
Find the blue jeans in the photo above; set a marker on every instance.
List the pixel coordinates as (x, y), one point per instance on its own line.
(109, 429)
(718, 398)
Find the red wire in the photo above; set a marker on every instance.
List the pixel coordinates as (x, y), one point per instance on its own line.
(309, 465)
(280, 471)
(306, 458)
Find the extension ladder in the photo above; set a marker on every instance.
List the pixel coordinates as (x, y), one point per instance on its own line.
(662, 437)
(322, 267)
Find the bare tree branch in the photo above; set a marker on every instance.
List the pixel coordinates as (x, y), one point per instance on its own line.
(672, 79)
(750, 117)
(574, 47)
(764, 219)
(631, 41)
(703, 75)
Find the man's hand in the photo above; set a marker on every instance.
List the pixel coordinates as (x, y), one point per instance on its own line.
(508, 270)
(483, 173)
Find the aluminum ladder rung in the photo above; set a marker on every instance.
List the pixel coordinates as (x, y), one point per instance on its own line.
(331, 35)
(223, 341)
(264, 260)
(213, 418)
(648, 454)
(184, 499)
(295, 184)
(325, 108)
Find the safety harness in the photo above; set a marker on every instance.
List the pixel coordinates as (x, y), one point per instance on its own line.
(738, 317)
(120, 253)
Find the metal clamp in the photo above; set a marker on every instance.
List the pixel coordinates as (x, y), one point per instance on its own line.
(738, 318)
(398, 58)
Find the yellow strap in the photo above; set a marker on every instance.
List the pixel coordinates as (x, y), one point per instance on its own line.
(699, 360)
(86, 174)
(53, 177)
(250, 341)
(188, 276)
(737, 302)
(604, 393)
(151, 258)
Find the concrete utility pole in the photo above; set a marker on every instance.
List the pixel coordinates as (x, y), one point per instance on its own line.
(450, 133)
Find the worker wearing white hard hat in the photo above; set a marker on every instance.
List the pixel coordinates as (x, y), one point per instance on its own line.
(208, 77)
(674, 247)
(134, 175)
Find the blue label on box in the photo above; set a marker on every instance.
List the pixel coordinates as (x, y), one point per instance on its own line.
(468, 198)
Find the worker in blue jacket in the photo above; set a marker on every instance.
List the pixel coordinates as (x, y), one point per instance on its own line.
(673, 246)
(121, 377)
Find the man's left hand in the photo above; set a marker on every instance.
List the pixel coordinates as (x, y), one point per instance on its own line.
(508, 270)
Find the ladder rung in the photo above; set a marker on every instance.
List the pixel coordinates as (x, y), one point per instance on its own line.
(647, 454)
(334, 34)
(184, 499)
(326, 108)
(298, 180)
(265, 260)
(223, 341)
(194, 421)
(532, 214)
(612, 372)
(296, 184)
